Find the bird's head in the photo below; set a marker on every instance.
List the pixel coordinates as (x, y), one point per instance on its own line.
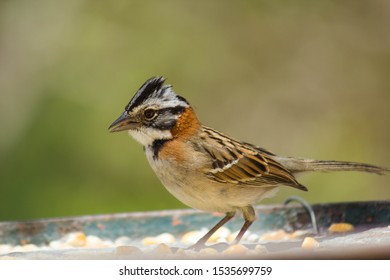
(153, 113)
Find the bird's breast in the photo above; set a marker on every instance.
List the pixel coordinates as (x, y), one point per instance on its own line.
(183, 176)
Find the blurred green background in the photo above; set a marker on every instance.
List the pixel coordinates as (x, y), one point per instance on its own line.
(300, 78)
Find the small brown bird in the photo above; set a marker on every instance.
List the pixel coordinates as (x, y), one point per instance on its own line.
(206, 169)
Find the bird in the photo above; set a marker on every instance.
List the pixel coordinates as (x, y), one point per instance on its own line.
(206, 169)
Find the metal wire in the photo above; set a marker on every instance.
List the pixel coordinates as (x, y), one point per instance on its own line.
(308, 208)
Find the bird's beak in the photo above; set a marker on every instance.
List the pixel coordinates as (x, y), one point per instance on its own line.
(124, 122)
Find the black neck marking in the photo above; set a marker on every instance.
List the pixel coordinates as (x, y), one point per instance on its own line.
(157, 146)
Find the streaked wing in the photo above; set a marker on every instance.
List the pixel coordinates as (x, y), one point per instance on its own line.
(242, 163)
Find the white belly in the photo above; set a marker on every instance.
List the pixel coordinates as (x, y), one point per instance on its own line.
(193, 188)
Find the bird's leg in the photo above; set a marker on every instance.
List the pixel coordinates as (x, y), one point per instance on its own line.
(201, 242)
(249, 216)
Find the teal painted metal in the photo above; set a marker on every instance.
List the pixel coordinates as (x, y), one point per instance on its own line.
(177, 222)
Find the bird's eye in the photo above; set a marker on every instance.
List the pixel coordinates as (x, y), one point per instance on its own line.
(150, 114)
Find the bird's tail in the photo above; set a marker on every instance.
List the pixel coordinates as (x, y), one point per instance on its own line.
(296, 165)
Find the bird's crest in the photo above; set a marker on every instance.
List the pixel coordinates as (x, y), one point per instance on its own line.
(154, 90)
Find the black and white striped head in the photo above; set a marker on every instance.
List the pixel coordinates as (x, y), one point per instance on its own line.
(151, 113)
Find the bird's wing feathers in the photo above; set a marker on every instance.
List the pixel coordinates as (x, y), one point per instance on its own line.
(241, 163)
